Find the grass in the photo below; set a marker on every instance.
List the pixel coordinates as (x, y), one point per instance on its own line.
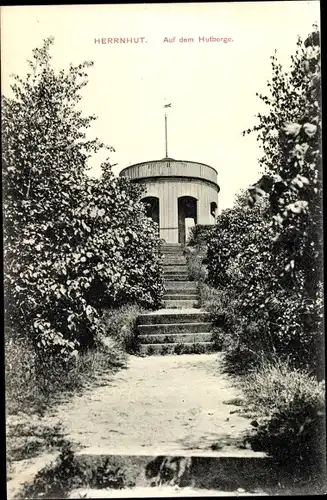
(67, 473)
(287, 405)
(275, 385)
(235, 402)
(32, 391)
(196, 269)
(30, 398)
(121, 325)
(289, 424)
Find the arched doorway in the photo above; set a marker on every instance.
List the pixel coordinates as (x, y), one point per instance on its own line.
(187, 209)
(152, 207)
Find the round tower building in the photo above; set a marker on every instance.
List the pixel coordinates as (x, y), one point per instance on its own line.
(179, 194)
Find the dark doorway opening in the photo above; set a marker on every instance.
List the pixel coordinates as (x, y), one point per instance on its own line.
(152, 207)
(213, 209)
(187, 209)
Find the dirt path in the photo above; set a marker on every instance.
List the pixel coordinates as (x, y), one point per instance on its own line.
(163, 404)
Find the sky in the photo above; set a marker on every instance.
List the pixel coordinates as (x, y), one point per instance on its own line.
(211, 85)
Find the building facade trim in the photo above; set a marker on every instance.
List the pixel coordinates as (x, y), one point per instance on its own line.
(174, 178)
(168, 160)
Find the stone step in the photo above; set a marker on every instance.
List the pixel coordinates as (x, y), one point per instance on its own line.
(174, 268)
(181, 296)
(176, 277)
(173, 257)
(175, 338)
(178, 285)
(178, 254)
(161, 471)
(174, 348)
(178, 291)
(174, 262)
(173, 318)
(173, 254)
(171, 245)
(180, 304)
(173, 272)
(226, 473)
(173, 328)
(169, 249)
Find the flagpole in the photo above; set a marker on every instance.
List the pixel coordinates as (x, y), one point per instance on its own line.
(166, 127)
(166, 139)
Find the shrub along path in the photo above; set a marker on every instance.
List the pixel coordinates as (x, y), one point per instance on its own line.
(160, 404)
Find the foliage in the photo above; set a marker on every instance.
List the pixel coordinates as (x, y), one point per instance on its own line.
(216, 301)
(290, 135)
(58, 479)
(265, 254)
(31, 388)
(195, 267)
(237, 229)
(199, 234)
(291, 408)
(25, 440)
(121, 325)
(73, 244)
(265, 258)
(191, 348)
(195, 254)
(218, 337)
(179, 348)
(20, 360)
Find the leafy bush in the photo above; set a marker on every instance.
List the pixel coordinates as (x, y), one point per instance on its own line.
(73, 244)
(218, 338)
(291, 423)
(290, 136)
(200, 234)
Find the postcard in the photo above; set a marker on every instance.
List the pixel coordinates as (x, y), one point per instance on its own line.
(162, 212)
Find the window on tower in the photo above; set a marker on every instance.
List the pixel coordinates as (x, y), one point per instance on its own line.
(213, 209)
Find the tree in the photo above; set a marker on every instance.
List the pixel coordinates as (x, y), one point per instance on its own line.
(290, 136)
(268, 256)
(65, 234)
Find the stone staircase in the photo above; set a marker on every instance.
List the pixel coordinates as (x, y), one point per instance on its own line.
(180, 293)
(179, 328)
